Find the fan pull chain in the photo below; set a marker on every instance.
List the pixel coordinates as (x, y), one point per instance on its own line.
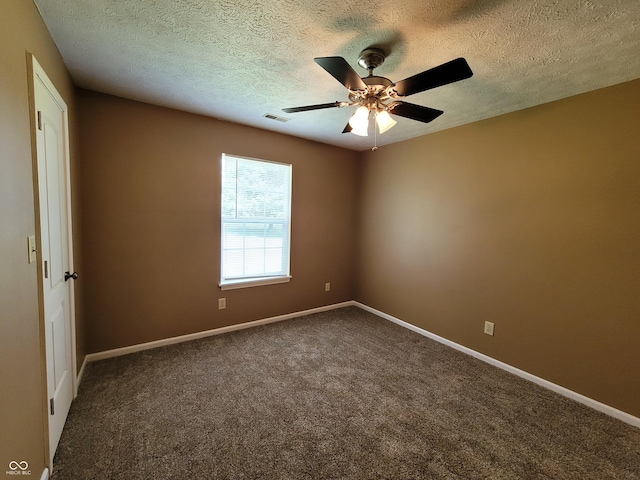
(375, 135)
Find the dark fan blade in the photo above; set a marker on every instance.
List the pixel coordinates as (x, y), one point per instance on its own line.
(444, 74)
(347, 129)
(414, 112)
(341, 71)
(313, 107)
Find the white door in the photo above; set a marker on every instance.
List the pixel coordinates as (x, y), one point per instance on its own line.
(51, 127)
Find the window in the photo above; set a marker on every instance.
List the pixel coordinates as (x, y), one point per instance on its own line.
(255, 214)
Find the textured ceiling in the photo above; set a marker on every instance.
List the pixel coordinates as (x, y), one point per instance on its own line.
(238, 60)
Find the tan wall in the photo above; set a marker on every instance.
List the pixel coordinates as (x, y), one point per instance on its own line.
(530, 220)
(151, 203)
(23, 398)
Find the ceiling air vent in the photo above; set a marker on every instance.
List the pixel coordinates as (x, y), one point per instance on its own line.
(271, 116)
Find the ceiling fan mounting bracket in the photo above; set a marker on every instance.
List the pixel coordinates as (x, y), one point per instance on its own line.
(371, 58)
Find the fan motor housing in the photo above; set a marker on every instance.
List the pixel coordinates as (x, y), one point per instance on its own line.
(374, 80)
(378, 89)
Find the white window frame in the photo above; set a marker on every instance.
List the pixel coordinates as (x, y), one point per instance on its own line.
(253, 281)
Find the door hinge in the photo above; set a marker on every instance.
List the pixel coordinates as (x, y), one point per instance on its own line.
(39, 120)
(46, 269)
(51, 407)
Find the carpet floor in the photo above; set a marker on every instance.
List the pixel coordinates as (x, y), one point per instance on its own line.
(342, 394)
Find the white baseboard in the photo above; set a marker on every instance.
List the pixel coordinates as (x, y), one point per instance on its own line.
(45, 474)
(601, 407)
(116, 352)
(79, 376)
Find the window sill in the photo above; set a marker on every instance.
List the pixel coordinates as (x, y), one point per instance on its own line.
(232, 285)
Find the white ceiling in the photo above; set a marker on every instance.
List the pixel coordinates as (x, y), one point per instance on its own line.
(239, 59)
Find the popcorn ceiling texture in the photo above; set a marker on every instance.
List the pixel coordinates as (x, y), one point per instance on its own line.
(237, 60)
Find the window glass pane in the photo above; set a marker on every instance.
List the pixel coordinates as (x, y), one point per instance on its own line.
(254, 236)
(232, 263)
(233, 236)
(254, 262)
(273, 242)
(228, 202)
(251, 204)
(273, 260)
(275, 205)
(229, 187)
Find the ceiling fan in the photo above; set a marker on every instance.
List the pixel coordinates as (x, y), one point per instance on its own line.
(379, 94)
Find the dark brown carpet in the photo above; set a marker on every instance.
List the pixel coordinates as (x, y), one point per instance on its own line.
(336, 395)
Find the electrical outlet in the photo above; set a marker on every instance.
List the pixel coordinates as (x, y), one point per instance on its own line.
(488, 328)
(222, 303)
(327, 287)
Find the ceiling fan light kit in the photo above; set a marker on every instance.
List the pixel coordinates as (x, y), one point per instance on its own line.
(384, 121)
(359, 121)
(379, 94)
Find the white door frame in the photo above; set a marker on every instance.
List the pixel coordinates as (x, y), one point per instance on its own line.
(36, 71)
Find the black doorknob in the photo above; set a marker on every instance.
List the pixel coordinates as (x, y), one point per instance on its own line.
(68, 275)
